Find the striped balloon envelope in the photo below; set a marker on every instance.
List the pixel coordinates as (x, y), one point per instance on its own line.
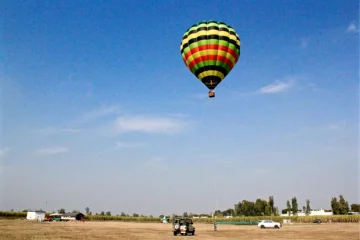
(210, 49)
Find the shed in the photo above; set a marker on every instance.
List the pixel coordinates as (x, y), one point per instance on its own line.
(72, 216)
(37, 215)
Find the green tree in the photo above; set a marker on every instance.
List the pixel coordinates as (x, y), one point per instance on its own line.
(267, 210)
(62, 210)
(355, 207)
(122, 214)
(343, 205)
(87, 210)
(271, 204)
(238, 209)
(102, 213)
(249, 208)
(294, 206)
(288, 207)
(218, 213)
(228, 212)
(308, 209)
(135, 215)
(185, 214)
(108, 213)
(260, 205)
(335, 206)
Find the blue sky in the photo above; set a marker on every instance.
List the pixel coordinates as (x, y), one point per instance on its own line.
(99, 110)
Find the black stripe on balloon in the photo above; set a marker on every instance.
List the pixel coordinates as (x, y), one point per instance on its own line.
(207, 80)
(206, 68)
(213, 36)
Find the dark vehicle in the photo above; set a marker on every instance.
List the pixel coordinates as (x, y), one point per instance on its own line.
(183, 226)
(317, 221)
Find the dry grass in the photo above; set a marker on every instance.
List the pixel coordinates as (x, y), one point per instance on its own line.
(20, 229)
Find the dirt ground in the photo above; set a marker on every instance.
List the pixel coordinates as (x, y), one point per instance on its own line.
(21, 229)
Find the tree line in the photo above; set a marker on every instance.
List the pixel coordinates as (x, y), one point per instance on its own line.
(267, 208)
(260, 207)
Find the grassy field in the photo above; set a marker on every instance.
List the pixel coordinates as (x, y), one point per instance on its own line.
(22, 229)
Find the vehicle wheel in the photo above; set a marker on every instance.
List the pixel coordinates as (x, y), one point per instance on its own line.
(276, 226)
(193, 233)
(262, 226)
(175, 233)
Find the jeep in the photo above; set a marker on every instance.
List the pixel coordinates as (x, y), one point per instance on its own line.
(183, 226)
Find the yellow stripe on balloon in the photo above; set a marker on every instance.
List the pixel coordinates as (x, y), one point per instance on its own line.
(211, 73)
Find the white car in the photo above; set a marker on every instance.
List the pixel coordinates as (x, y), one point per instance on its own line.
(269, 224)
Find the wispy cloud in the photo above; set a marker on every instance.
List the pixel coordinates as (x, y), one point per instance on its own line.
(352, 28)
(278, 87)
(4, 151)
(149, 124)
(99, 113)
(51, 151)
(129, 144)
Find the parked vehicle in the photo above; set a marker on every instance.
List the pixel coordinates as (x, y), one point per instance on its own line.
(269, 224)
(317, 221)
(183, 226)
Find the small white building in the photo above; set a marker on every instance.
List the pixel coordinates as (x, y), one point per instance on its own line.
(315, 212)
(35, 215)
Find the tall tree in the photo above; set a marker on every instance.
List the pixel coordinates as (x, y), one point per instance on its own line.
(87, 210)
(288, 207)
(108, 213)
(260, 207)
(308, 209)
(344, 205)
(271, 204)
(294, 205)
(335, 206)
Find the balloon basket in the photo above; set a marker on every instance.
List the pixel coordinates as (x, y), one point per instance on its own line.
(211, 94)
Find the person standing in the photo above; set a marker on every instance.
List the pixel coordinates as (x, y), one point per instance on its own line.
(215, 226)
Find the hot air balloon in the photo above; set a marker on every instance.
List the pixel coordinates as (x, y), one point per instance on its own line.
(210, 49)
